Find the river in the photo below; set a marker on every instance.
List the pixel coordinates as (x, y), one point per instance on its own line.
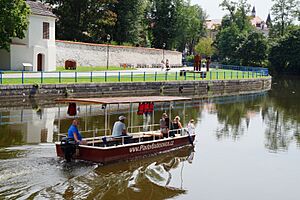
(247, 147)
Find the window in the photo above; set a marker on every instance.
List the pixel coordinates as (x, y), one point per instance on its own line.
(46, 30)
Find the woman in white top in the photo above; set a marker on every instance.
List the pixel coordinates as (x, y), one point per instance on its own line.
(191, 127)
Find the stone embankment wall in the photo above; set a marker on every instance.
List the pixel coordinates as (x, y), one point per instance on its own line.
(201, 88)
(86, 54)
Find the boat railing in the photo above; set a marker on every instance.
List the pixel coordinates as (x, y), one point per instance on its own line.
(177, 132)
(91, 134)
(143, 128)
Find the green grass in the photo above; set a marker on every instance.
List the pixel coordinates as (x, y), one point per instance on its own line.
(132, 77)
(92, 69)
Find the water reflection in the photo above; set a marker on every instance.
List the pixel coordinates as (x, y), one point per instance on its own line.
(146, 178)
(237, 135)
(234, 118)
(281, 115)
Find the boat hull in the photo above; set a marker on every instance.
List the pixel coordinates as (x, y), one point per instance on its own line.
(127, 151)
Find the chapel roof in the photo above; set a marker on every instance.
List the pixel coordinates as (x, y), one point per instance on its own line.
(38, 8)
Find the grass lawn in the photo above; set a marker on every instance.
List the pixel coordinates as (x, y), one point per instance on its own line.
(132, 77)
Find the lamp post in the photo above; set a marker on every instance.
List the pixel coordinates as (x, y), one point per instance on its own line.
(108, 40)
(164, 45)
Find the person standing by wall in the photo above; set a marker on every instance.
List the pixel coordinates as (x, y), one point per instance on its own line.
(167, 65)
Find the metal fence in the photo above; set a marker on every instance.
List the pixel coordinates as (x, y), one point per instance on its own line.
(24, 77)
(263, 71)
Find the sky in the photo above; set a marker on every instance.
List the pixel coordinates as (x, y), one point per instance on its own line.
(263, 7)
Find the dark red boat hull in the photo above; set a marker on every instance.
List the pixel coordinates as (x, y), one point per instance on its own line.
(125, 152)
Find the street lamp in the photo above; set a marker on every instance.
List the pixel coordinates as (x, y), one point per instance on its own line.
(164, 45)
(108, 40)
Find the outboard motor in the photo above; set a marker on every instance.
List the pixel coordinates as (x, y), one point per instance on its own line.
(68, 146)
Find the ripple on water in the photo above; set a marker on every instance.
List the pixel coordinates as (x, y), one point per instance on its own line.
(34, 170)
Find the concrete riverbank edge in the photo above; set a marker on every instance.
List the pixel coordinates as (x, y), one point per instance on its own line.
(200, 87)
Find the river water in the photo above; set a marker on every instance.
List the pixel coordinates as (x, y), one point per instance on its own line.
(247, 147)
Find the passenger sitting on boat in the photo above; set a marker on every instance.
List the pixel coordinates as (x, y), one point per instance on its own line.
(191, 127)
(175, 126)
(73, 133)
(119, 128)
(164, 125)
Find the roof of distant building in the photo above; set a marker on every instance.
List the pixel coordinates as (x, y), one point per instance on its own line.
(256, 20)
(213, 23)
(38, 8)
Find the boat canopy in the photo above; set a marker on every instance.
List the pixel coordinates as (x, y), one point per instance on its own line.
(119, 100)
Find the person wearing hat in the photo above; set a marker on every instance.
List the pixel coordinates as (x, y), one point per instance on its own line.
(119, 128)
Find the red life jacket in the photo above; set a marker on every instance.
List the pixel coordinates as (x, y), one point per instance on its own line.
(151, 107)
(72, 111)
(141, 109)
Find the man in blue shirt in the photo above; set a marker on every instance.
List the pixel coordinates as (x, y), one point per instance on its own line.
(73, 133)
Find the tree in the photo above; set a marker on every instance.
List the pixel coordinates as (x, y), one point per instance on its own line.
(13, 21)
(227, 42)
(83, 20)
(190, 26)
(204, 47)
(284, 54)
(253, 50)
(234, 30)
(129, 26)
(164, 16)
(238, 14)
(284, 12)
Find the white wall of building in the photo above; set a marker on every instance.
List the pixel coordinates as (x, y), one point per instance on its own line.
(26, 50)
(20, 54)
(44, 46)
(86, 54)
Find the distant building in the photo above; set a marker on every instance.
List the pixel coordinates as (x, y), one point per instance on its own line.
(37, 48)
(262, 26)
(258, 23)
(212, 27)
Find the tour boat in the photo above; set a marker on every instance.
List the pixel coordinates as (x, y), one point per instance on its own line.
(106, 148)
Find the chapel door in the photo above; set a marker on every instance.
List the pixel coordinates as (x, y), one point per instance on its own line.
(40, 62)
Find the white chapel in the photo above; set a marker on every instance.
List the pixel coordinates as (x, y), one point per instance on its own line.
(37, 50)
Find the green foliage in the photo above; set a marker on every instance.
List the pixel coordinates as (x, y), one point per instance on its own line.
(190, 58)
(84, 20)
(238, 14)
(204, 47)
(284, 54)
(227, 42)
(190, 26)
(284, 12)
(13, 21)
(164, 17)
(253, 50)
(237, 42)
(129, 26)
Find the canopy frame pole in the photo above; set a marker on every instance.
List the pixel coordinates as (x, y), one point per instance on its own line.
(108, 119)
(170, 118)
(184, 122)
(105, 120)
(85, 118)
(58, 124)
(153, 115)
(129, 116)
